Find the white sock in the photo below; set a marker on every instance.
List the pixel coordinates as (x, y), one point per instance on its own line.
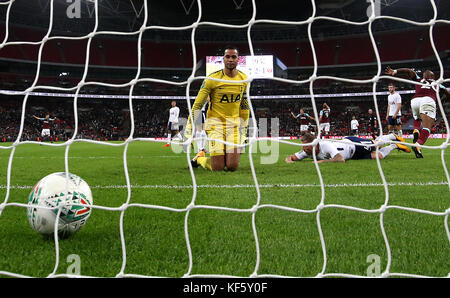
(391, 137)
(386, 138)
(201, 141)
(198, 141)
(386, 150)
(204, 139)
(169, 135)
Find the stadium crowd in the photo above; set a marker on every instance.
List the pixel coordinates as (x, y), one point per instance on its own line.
(110, 119)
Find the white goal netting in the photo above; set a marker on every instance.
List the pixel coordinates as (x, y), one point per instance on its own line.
(75, 92)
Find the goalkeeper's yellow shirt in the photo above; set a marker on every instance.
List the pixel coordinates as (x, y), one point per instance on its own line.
(228, 103)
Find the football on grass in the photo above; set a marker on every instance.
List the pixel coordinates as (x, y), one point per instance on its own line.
(55, 194)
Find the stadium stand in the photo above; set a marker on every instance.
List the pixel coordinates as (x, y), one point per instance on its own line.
(341, 52)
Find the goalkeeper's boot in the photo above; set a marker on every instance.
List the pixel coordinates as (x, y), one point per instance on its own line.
(167, 145)
(417, 150)
(402, 147)
(416, 135)
(194, 163)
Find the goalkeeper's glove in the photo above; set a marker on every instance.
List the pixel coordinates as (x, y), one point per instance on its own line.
(243, 135)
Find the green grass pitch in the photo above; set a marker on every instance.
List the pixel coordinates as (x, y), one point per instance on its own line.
(222, 241)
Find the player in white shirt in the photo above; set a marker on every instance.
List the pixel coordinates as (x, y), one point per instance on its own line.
(329, 151)
(354, 125)
(394, 111)
(172, 125)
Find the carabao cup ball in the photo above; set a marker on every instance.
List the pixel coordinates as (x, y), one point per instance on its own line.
(54, 192)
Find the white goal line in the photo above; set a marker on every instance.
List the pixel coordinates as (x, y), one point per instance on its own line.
(162, 186)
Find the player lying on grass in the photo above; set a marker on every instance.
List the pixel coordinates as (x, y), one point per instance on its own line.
(328, 151)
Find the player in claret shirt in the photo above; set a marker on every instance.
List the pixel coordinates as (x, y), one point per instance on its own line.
(304, 120)
(423, 103)
(324, 120)
(45, 133)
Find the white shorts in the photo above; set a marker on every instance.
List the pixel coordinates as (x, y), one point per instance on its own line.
(303, 127)
(172, 126)
(325, 127)
(45, 132)
(423, 105)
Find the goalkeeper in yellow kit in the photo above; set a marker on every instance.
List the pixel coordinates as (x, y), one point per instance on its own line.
(227, 115)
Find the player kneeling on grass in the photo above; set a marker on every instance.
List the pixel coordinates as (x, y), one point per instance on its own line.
(328, 151)
(227, 115)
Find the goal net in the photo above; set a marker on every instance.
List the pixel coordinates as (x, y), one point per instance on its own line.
(205, 234)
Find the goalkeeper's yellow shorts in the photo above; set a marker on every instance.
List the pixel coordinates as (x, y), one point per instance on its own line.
(220, 133)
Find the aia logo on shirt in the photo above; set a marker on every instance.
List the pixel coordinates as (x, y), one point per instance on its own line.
(230, 98)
